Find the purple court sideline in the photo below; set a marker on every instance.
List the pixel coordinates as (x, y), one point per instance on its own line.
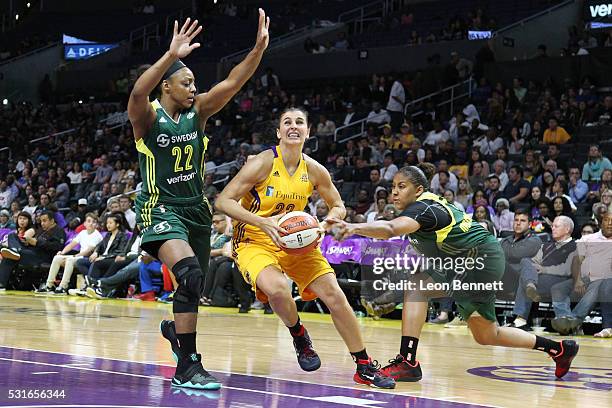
(97, 382)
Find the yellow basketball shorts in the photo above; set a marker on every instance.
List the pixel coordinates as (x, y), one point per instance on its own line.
(253, 257)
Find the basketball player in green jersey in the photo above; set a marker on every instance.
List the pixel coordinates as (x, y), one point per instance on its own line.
(437, 229)
(174, 216)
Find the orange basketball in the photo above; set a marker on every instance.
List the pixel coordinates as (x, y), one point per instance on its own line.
(302, 232)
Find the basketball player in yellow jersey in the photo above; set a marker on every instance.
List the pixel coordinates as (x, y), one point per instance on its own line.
(276, 181)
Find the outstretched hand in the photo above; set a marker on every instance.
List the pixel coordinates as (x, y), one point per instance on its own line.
(263, 36)
(181, 45)
(338, 228)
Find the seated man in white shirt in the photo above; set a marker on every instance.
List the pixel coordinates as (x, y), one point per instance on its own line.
(553, 264)
(377, 115)
(126, 206)
(415, 147)
(453, 181)
(490, 143)
(437, 135)
(587, 287)
(443, 183)
(325, 127)
(387, 172)
(87, 239)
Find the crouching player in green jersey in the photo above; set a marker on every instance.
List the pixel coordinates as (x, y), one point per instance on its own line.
(438, 230)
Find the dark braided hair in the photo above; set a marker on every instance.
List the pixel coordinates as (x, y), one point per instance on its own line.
(419, 175)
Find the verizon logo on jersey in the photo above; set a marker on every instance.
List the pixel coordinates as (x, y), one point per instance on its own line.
(601, 10)
(181, 178)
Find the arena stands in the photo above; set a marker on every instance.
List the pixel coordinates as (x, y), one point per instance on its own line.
(430, 22)
(76, 157)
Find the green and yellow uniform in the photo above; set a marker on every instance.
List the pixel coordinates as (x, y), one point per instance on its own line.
(464, 250)
(171, 204)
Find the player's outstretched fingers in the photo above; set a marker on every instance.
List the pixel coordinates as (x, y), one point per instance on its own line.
(185, 25)
(192, 29)
(333, 221)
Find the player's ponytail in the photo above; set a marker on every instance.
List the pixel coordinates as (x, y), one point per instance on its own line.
(419, 175)
(428, 169)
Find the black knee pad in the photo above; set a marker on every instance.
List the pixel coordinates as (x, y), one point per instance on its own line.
(189, 277)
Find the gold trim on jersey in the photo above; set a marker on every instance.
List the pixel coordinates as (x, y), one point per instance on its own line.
(157, 105)
(141, 147)
(441, 234)
(239, 229)
(205, 141)
(202, 163)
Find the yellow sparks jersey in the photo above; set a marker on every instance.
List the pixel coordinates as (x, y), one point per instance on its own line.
(278, 193)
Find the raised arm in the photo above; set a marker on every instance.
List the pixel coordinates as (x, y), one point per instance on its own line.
(213, 101)
(255, 170)
(140, 111)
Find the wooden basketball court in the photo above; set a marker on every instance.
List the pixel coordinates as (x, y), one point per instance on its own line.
(110, 353)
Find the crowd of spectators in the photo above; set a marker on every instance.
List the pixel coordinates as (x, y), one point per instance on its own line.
(581, 39)
(503, 153)
(456, 28)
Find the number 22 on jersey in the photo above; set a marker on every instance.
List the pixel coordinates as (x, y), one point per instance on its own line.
(177, 153)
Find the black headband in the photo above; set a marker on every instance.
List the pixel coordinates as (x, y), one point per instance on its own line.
(176, 65)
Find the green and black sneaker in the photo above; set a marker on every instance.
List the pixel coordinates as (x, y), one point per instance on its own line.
(193, 375)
